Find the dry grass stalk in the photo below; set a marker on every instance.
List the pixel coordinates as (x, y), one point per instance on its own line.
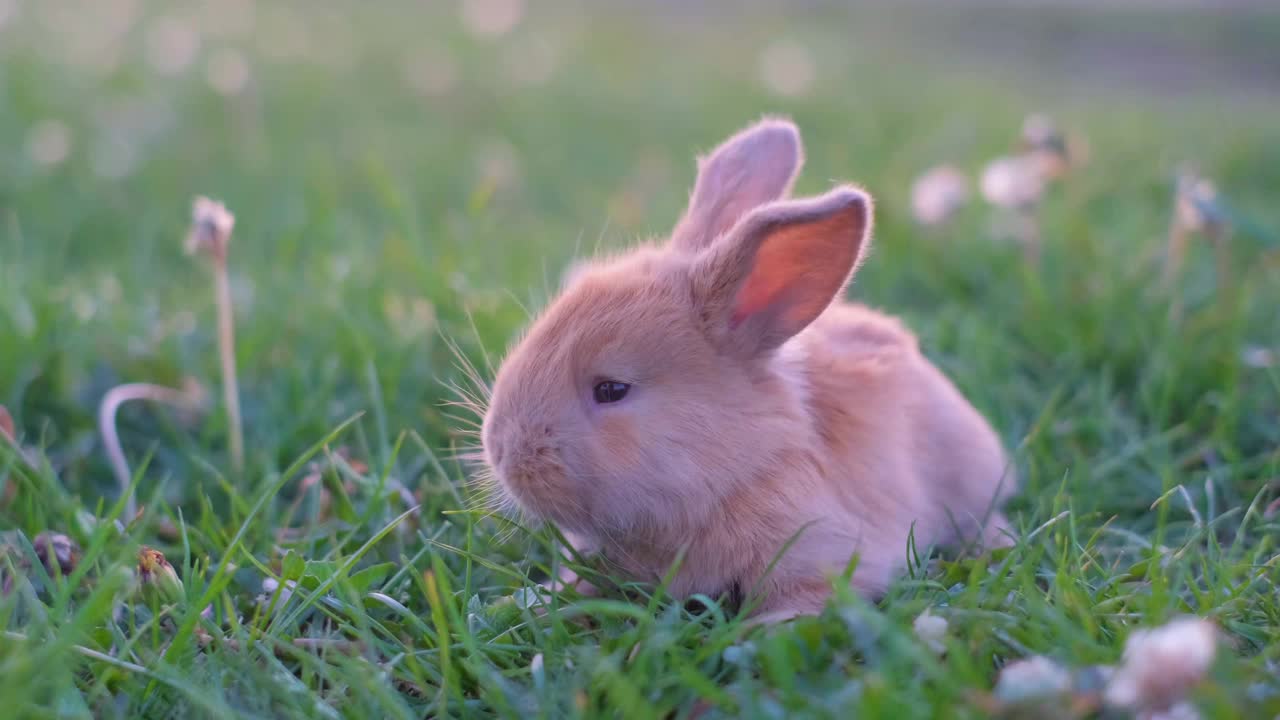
(191, 397)
(210, 235)
(9, 433)
(1196, 210)
(1176, 253)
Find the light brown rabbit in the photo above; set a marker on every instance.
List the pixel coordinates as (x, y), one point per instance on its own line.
(712, 396)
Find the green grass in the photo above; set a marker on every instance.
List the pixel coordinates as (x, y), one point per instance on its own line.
(378, 229)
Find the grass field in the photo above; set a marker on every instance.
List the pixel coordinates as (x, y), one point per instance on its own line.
(408, 181)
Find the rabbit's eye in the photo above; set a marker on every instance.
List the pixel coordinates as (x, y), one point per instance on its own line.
(611, 391)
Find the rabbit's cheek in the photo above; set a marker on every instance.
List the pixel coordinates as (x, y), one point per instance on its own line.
(619, 446)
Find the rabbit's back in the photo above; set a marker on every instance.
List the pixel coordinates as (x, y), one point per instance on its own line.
(914, 451)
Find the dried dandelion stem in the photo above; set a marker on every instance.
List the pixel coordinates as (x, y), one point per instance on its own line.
(227, 351)
(1198, 209)
(1176, 253)
(188, 398)
(1220, 238)
(1030, 228)
(210, 234)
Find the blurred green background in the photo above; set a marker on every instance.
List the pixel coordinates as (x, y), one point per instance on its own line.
(407, 176)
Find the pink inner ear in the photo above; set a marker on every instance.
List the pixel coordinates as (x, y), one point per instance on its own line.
(796, 272)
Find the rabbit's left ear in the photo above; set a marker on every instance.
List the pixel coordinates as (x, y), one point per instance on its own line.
(779, 269)
(754, 167)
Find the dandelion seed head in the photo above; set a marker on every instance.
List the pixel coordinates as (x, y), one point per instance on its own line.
(211, 226)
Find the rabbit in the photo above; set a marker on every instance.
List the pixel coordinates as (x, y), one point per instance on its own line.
(712, 399)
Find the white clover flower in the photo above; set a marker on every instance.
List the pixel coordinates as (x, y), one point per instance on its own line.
(938, 194)
(1032, 679)
(1161, 665)
(1012, 182)
(269, 587)
(932, 631)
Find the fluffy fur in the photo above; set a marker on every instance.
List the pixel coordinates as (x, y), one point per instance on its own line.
(761, 409)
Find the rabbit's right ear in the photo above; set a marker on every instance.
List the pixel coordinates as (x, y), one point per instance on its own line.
(779, 269)
(754, 167)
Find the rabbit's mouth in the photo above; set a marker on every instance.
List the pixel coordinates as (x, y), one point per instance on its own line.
(545, 494)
